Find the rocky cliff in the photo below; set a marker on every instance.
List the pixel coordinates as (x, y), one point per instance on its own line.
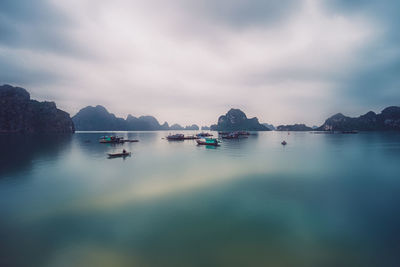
(20, 114)
(192, 127)
(99, 119)
(388, 119)
(236, 120)
(294, 127)
(176, 127)
(269, 126)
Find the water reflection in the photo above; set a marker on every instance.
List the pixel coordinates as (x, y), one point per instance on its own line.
(19, 151)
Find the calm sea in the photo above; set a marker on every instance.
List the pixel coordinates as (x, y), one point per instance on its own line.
(321, 200)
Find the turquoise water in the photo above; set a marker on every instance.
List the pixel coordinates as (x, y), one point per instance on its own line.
(322, 200)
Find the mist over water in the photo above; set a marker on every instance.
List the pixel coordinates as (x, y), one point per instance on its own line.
(321, 200)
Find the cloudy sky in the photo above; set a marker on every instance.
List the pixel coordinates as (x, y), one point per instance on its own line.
(189, 61)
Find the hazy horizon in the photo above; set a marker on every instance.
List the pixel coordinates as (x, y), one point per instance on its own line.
(189, 62)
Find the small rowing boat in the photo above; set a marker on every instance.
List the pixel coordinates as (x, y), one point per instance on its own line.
(117, 155)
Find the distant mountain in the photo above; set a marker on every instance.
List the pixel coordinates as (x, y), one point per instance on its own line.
(193, 127)
(269, 126)
(176, 127)
(143, 123)
(236, 120)
(20, 114)
(99, 119)
(294, 127)
(205, 128)
(165, 126)
(388, 119)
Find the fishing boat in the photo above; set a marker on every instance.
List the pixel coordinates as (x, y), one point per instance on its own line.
(191, 137)
(322, 132)
(208, 142)
(118, 155)
(230, 136)
(242, 133)
(131, 141)
(175, 137)
(233, 135)
(350, 132)
(111, 140)
(179, 137)
(203, 135)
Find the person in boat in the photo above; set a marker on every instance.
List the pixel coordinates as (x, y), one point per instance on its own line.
(124, 151)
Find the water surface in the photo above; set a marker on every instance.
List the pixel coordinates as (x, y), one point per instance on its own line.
(322, 200)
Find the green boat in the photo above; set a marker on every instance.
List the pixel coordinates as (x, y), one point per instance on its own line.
(208, 142)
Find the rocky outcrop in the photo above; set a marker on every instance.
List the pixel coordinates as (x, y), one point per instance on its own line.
(388, 119)
(143, 123)
(192, 127)
(294, 127)
(20, 114)
(99, 119)
(269, 126)
(236, 120)
(165, 126)
(176, 127)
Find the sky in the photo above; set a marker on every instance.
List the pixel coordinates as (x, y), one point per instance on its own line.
(190, 61)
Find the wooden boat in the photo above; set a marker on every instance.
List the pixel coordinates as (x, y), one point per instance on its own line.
(111, 140)
(242, 133)
(208, 142)
(176, 137)
(180, 137)
(322, 132)
(203, 135)
(131, 141)
(233, 135)
(117, 155)
(191, 137)
(230, 136)
(350, 132)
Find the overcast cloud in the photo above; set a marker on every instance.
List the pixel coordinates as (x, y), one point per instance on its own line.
(189, 61)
